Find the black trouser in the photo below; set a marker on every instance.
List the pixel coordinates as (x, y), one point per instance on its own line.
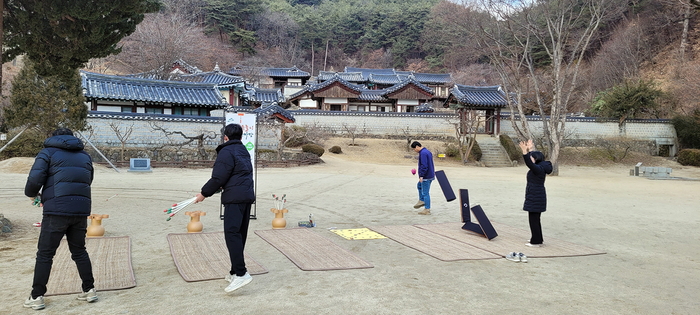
(535, 227)
(53, 227)
(236, 219)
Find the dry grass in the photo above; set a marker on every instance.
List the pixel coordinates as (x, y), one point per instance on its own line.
(383, 151)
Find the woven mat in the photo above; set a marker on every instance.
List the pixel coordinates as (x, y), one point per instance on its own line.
(111, 266)
(510, 239)
(204, 256)
(358, 234)
(438, 246)
(310, 251)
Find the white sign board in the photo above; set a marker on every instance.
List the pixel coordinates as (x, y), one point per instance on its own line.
(248, 122)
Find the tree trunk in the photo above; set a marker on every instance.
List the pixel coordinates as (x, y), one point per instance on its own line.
(684, 36)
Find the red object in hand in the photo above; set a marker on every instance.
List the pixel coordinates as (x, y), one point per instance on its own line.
(413, 171)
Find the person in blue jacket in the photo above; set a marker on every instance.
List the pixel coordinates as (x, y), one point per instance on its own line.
(426, 175)
(233, 175)
(535, 193)
(63, 173)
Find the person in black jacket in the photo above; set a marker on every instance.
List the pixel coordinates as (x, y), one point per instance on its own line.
(535, 193)
(233, 174)
(64, 173)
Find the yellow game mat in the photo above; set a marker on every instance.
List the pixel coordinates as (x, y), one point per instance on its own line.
(358, 234)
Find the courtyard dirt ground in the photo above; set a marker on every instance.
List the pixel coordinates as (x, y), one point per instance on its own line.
(648, 228)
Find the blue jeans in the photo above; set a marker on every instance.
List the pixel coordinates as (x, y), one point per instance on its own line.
(424, 191)
(53, 227)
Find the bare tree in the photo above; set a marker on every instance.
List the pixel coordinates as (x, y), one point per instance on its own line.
(123, 136)
(530, 43)
(410, 134)
(199, 138)
(466, 126)
(351, 131)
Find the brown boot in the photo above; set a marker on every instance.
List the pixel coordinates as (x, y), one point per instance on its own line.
(425, 211)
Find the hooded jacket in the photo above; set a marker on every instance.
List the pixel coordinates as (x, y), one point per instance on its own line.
(65, 173)
(535, 193)
(233, 172)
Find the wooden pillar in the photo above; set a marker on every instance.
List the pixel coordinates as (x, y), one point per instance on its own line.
(498, 121)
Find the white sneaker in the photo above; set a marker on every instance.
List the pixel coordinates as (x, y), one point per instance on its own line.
(89, 296)
(238, 282)
(513, 256)
(36, 304)
(522, 257)
(534, 245)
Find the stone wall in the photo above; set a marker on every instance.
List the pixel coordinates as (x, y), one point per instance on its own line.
(583, 131)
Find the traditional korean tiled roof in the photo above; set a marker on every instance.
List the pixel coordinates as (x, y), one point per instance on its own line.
(373, 95)
(433, 78)
(190, 69)
(386, 79)
(410, 80)
(335, 78)
(265, 96)
(217, 77)
(366, 72)
(425, 108)
(267, 112)
(479, 96)
(118, 88)
(292, 72)
(347, 76)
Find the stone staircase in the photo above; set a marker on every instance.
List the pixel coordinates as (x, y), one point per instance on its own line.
(492, 153)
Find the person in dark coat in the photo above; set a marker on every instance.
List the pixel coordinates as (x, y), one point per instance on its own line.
(63, 173)
(233, 175)
(535, 193)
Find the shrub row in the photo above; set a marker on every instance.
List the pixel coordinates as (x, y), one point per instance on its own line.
(689, 157)
(514, 154)
(313, 148)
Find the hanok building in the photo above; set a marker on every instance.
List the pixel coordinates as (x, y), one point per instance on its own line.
(378, 79)
(110, 93)
(287, 80)
(338, 94)
(231, 87)
(259, 97)
(487, 99)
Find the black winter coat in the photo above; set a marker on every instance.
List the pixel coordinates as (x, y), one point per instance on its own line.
(233, 172)
(535, 194)
(65, 172)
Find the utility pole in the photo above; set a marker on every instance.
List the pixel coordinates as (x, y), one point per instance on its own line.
(326, 59)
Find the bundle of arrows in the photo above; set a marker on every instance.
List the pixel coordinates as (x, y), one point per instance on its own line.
(178, 206)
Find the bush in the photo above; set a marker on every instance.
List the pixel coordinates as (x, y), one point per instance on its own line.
(27, 145)
(688, 130)
(689, 157)
(476, 152)
(313, 148)
(335, 149)
(451, 150)
(514, 154)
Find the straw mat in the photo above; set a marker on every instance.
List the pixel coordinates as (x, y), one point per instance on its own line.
(310, 251)
(111, 266)
(204, 256)
(438, 246)
(510, 239)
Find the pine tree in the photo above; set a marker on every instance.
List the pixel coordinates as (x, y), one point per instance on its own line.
(60, 36)
(46, 102)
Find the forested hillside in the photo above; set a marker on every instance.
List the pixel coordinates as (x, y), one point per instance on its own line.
(638, 45)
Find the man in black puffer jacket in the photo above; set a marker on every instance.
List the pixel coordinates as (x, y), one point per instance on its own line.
(233, 174)
(63, 172)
